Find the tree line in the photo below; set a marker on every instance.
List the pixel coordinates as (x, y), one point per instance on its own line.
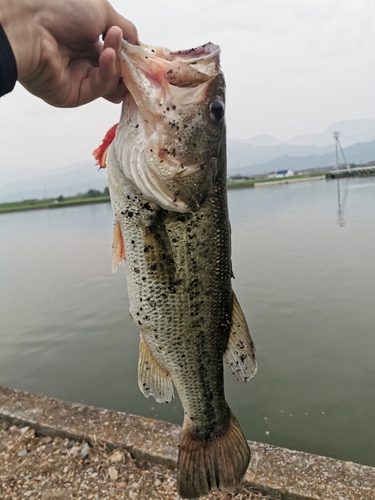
(91, 193)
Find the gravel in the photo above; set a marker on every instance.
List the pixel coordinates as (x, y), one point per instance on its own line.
(39, 467)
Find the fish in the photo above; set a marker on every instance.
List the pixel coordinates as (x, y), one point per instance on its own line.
(166, 166)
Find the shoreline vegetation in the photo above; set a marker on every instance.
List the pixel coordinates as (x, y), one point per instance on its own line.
(94, 196)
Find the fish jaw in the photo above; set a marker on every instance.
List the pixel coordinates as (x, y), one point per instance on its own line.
(175, 143)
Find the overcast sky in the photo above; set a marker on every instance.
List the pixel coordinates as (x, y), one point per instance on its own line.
(291, 67)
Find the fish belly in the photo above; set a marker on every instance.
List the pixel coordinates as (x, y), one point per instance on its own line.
(179, 286)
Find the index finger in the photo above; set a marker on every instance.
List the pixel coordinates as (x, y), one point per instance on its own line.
(129, 31)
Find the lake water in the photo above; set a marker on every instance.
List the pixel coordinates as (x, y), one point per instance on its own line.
(305, 277)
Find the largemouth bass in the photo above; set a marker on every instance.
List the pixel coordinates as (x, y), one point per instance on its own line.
(166, 164)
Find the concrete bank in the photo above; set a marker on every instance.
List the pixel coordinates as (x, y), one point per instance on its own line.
(279, 472)
(276, 182)
(352, 172)
(288, 181)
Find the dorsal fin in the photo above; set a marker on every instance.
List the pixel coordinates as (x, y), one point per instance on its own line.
(100, 153)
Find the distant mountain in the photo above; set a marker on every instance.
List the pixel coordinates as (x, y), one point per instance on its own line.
(9, 177)
(361, 153)
(257, 155)
(264, 148)
(351, 132)
(68, 181)
(262, 140)
(242, 155)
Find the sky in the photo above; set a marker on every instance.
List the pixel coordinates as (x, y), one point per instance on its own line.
(291, 67)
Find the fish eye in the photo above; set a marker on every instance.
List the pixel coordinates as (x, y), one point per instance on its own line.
(217, 110)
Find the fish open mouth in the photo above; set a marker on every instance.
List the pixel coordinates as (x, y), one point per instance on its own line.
(163, 120)
(191, 56)
(158, 65)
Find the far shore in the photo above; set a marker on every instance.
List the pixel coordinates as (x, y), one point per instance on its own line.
(41, 204)
(275, 180)
(18, 206)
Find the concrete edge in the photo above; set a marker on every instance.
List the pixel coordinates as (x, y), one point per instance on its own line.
(290, 181)
(282, 473)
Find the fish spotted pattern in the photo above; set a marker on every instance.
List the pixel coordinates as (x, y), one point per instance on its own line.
(167, 178)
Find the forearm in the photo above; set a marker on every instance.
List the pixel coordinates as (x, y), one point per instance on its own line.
(8, 63)
(8, 66)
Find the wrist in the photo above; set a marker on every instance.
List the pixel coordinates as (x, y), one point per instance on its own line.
(18, 22)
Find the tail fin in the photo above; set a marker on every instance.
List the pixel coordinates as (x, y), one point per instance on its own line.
(206, 465)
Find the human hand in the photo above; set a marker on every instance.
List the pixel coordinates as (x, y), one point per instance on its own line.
(58, 52)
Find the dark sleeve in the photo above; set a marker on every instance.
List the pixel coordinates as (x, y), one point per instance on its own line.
(8, 65)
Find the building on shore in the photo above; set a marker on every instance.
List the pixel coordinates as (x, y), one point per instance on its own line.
(281, 173)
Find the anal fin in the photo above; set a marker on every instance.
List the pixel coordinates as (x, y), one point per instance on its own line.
(118, 249)
(152, 379)
(240, 352)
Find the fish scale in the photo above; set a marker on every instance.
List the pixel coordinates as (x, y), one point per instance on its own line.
(199, 245)
(167, 179)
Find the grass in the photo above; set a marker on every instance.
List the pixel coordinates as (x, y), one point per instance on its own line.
(49, 203)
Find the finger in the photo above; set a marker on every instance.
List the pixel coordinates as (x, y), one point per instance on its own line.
(129, 31)
(109, 69)
(118, 95)
(90, 80)
(91, 53)
(93, 82)
(113, 39)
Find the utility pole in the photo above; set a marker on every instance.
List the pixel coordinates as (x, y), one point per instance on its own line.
(336, 136)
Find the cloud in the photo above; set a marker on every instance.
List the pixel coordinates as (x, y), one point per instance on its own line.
(291, 68)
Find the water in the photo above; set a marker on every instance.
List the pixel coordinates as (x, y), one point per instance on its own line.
(305, 277)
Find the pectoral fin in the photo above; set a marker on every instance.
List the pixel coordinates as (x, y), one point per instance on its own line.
(240, 353)
(100, 153)
(118, 249)
(152, 379)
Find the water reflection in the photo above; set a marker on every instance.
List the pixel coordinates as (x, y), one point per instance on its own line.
(341, 200)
